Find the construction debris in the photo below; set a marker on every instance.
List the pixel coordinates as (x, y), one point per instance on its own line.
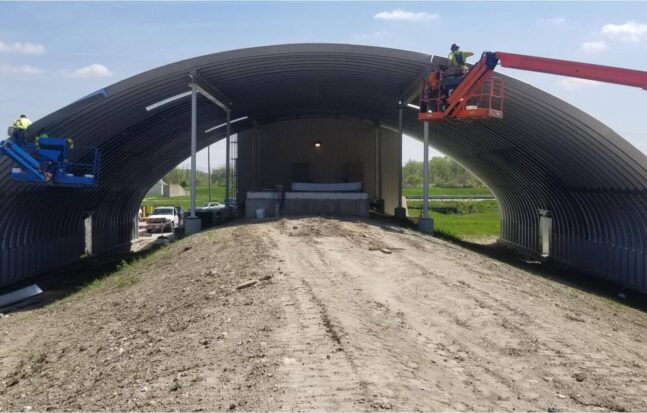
(30, 292)
(246, 284)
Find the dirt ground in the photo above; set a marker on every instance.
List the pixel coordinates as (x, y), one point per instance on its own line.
(336, 322)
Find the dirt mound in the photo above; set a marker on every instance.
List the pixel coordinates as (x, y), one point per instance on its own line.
(313, 314)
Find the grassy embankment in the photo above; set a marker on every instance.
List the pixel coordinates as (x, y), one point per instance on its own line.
(476, 218)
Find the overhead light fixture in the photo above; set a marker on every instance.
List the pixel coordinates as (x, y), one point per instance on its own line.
(412, 106)
(317, 144)
(167, 100)
(222, 125)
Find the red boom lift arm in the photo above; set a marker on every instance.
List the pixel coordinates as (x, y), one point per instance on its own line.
(607, 74)
(479, 93)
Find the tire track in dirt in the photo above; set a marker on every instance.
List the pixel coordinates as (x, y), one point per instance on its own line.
(316, 373)
(505, 353)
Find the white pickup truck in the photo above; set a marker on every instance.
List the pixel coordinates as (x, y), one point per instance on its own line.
(163, 218)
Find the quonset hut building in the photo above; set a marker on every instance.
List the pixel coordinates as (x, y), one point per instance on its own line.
(545, 159)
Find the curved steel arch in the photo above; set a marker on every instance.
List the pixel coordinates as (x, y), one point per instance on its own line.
(545, 154)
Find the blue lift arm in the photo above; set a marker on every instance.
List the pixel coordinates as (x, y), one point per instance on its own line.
(24, 160)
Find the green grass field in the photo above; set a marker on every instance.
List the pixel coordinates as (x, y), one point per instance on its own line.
(417, 191)
(481, 218)
(477, 218)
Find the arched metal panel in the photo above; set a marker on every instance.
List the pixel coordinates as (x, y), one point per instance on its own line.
(544, 155)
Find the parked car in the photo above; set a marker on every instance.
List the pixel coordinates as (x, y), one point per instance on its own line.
(163, 218)
(210, 206)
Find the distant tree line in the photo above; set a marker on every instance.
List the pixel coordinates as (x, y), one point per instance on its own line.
(182, 176)
(443, 172)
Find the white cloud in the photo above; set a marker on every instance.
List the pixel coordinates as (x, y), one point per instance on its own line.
(22, 48)
(629, 31)
(594, 47)
(553, 20)
(572, 83)
(402, 15)
(557, 20)
(20, 70)
(94, 70)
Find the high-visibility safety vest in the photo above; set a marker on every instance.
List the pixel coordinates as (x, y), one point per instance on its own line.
(21, 123)
(459, 59)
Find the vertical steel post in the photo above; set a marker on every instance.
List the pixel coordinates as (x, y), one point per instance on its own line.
(194, 142)
(209, 169)
(400, 132)
(425, 173)
(381, 166)
(425, 224)
(227, 159)
(377, 162)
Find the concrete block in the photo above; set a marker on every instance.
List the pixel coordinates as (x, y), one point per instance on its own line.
(400, 212)
(426, 225)
(192, 225)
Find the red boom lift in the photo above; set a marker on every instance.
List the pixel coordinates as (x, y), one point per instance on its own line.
(478, 94)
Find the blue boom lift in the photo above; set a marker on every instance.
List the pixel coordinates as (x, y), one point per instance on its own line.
(47, 162)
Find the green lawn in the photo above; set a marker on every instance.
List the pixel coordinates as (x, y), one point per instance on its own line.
(479, 218)
(202, 196)
(417, 191)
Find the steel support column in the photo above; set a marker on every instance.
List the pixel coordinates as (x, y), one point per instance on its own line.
(400, 212)
(193, 224)
(425, 224)
(400, 136)
(425, 173)
(227, 159)
(194, 142)
(209, 169)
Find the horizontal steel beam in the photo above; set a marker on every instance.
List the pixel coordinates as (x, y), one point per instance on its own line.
(209, 91)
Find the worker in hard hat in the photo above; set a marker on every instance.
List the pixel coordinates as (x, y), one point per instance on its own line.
(19, 129)
(457, 68)
(458, 58)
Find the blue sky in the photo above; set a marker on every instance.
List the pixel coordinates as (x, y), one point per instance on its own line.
(54, 53)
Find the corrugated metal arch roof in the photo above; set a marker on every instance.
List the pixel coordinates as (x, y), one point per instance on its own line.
(545, 154)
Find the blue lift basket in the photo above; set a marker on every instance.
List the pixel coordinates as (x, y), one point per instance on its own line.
(47, 162)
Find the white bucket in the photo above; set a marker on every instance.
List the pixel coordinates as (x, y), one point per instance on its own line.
(260, 213)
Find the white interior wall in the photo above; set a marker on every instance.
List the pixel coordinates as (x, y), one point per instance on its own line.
(267, 153)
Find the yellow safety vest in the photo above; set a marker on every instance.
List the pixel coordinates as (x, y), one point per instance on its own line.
(21, 123)
(453, 62)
